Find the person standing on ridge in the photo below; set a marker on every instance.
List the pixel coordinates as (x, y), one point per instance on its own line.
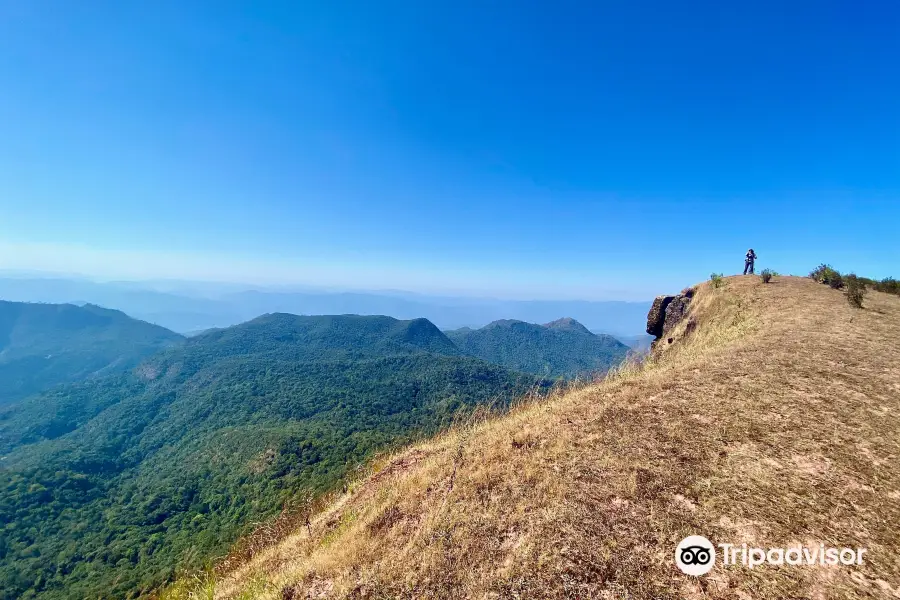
(749, 260)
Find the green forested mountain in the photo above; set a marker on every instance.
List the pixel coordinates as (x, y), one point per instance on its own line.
(42, 345)
(108, 485)
(317, 337)
(568, 324)
(563, 348)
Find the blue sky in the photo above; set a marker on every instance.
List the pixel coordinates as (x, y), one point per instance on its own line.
(518, 149)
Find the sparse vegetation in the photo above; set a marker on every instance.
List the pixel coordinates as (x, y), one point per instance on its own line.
(766, 275)
(856, 290)
(889, 285)
(717, 280)
(818, 273)
(828, 275)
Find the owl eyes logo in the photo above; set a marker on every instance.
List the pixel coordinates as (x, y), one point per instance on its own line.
(695, 555)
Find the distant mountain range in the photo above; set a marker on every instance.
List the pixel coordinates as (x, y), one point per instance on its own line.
(187, 307)
(562, 348)
(42, 345)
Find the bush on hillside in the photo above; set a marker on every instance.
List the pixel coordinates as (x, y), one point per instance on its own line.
(830, 276)
(766, 275)
(820, 273)
(717, 280)
(888, 285)
(816, 274)
(827, 275)
(856, 290)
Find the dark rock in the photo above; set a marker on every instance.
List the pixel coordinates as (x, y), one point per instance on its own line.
(667, 311)
(657, 316)
(675, 311)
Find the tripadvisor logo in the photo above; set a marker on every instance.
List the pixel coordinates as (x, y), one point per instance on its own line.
(696, 555)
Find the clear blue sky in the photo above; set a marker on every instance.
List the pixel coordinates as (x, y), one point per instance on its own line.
(571, 149)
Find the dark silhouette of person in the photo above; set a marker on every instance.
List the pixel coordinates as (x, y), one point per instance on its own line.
(749, 260)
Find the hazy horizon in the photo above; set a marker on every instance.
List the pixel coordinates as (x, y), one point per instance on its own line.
(188, 306)
(163, 284)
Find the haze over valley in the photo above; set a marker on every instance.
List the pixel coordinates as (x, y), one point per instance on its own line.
(188, 308)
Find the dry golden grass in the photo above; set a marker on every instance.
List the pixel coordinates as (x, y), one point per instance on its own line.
(773, 422)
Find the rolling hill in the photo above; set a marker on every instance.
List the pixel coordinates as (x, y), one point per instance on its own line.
(109, 485)
(42, 345)
(562, 348)
(769, 420)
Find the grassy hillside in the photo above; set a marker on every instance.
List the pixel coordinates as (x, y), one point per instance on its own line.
(42, 345)
(773, 423)
(112, 484)
(563, 348)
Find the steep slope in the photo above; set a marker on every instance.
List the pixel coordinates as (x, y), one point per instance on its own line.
(773, 422)
(563, 348)
(42, 345)
(112, 484)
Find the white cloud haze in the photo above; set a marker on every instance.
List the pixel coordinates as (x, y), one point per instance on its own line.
(145, 265)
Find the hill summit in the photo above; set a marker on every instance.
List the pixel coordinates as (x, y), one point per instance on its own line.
(771, 421)
(562, 348)
(567, 324)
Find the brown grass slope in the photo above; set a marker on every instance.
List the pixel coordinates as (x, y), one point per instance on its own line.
(774, 422)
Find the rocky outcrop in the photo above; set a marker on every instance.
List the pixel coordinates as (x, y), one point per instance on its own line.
(676, 310)
(667, 311)
(656, 318)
